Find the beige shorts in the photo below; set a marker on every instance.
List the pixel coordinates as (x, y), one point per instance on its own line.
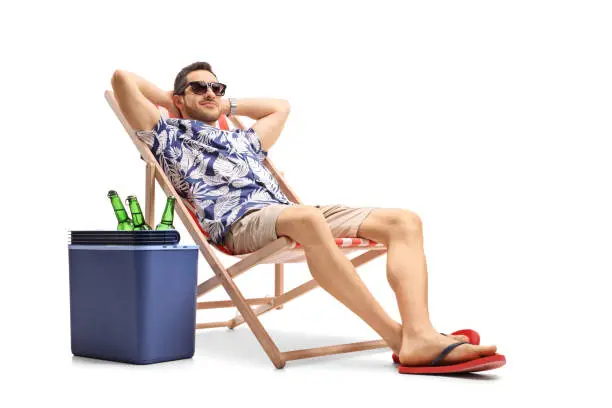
(257, 227)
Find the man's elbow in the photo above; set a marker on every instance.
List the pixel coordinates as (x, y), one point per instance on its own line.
(119, 77)
(284, 106)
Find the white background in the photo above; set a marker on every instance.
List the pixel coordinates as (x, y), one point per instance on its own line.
(489, 119)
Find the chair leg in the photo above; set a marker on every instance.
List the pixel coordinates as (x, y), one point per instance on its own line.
(279, 281)
(232, 290)
(251, 319)
(150, 196)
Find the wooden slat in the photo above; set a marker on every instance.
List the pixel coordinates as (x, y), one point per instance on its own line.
(210, 325)
(259, 310)
(340, 348)
(279, 281)
(150, 195)
(237, 122)
(279, 276)
(217, 304)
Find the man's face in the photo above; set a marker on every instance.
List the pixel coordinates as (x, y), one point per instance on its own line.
(205, 108)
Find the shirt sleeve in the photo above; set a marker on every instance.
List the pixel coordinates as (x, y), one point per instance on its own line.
(159, 137)
(255, 144)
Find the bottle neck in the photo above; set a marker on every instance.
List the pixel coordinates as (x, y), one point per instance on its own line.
(137, 217)
(120, 212)
(168, 215)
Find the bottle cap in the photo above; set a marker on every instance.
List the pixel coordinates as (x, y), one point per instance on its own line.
(111, 193)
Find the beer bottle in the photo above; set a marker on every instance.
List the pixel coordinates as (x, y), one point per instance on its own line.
(139, 222)
(167, 216)
(125, 223)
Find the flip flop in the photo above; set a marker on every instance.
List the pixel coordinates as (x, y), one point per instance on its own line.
(472, 336)
(478, 364)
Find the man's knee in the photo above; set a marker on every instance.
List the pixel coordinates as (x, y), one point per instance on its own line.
(302, 223)
(404, 223)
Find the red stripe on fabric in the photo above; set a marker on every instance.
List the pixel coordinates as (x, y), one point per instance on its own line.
(223, 123)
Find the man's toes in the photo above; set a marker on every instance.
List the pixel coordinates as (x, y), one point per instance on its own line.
(468, 352)
(486, 350)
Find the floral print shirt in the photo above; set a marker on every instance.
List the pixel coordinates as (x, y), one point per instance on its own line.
(221, 172)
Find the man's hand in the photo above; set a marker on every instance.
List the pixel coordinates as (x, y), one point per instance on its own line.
(224, 105)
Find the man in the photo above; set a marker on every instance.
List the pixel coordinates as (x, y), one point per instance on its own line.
(240, 204)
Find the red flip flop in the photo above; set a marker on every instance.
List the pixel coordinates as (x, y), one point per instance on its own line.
(472, 336)
(478, 364)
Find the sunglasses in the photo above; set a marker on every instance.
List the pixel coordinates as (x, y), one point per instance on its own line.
(201, 87)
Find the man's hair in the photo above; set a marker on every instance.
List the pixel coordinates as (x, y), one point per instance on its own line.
(180, 83)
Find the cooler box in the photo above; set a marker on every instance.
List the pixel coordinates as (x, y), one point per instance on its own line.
(131, 301)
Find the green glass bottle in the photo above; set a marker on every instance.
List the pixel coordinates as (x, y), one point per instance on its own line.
(124, 222)
(137, 217)
(167, 216)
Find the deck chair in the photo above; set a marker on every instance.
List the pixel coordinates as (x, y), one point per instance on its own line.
(279, 252)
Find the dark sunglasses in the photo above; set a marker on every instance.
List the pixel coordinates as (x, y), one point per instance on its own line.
(201, 87)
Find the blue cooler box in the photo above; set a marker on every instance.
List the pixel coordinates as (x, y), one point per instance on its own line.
(133, 303)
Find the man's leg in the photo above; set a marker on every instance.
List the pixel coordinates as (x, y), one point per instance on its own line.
(401, 232)
(333, 271)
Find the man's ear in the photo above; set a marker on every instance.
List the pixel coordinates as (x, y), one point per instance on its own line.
(179, 103)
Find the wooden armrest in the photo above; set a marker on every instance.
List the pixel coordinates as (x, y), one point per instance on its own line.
(236, 122)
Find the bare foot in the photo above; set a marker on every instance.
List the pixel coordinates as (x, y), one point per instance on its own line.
(457, 337)
(419, 350)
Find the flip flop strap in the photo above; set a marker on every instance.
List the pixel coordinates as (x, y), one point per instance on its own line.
(445, 352)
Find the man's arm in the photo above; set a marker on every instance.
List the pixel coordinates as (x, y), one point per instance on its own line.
(137, 98)
(270, 114)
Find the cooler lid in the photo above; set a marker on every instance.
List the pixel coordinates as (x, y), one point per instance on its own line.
(101, 237)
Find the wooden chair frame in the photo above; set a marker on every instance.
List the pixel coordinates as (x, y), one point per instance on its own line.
(225, 276)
